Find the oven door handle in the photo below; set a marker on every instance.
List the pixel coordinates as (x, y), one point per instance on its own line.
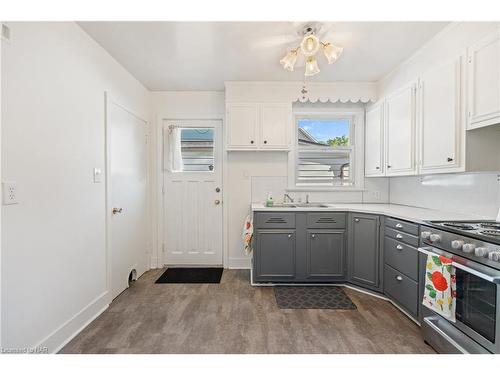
(492, 276)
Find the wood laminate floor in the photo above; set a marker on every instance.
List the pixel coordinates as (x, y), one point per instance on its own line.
(234, 317)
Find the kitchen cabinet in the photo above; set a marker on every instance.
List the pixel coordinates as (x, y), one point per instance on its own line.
(275, 254)
(364, 250)
(441, 137)
(258, 126)
(483, 71)
(374, 141)
(325, 254)
(400, 123)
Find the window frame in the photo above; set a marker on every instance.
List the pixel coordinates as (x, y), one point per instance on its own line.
(356, 133)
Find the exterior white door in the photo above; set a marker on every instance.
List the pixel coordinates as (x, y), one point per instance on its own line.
(127, 195)
(192, 192)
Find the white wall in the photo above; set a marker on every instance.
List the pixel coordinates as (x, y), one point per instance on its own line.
(475, 193)
(53, 273)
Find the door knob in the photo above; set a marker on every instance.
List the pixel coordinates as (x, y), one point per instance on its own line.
(117, 210)
(217, 201)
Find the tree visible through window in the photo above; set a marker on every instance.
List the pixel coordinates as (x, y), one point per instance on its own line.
(324, 152)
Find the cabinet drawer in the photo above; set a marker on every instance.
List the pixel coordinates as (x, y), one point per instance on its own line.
(318, 220)
(402, 289)
(275, 220)
(402, 257)
(402, 226)
(401, 236)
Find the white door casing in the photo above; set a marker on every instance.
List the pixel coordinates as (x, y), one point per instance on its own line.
(192, 228)
(127, 189)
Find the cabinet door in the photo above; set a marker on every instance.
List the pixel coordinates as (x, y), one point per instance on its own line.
(241, 125)
(400, 132)
(484, 82)
(374, 165)
(325, 254)
(275, 254)
(275, 122)
(441, 130)
(364, 250)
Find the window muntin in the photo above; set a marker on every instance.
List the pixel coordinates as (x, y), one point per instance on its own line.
(324, 152)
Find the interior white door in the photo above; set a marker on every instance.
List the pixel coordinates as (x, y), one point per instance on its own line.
(192, 192)
(127, 194)
(441, 118)
(374, 165)
(400, 132)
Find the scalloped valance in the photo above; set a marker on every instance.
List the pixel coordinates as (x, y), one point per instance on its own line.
(323, 92)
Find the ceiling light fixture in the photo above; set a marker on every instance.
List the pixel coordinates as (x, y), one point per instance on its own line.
(309, 47)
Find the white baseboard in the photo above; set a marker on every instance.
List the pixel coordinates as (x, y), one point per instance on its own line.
(65, 333)
(239, 263)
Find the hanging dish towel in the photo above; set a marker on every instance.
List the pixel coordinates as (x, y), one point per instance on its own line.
(440, 286)
(248, 234)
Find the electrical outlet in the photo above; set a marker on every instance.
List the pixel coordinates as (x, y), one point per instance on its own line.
(9, 193)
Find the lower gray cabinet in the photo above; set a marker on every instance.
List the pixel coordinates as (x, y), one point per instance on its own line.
(325, 255)
(275, 254)
(364, 261)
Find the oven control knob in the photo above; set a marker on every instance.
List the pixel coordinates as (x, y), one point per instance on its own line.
(425, 234)
(481, 252)
(457, 244)
(468, 248)
(435, 237)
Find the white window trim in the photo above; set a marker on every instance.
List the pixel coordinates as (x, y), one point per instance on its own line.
(357, 117)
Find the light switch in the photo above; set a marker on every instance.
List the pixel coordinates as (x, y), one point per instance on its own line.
(9, 193)
(97, 175)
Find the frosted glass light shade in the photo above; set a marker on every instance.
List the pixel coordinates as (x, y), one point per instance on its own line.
(311, 66)
(332, 53)
(309, 45)
(288, 62)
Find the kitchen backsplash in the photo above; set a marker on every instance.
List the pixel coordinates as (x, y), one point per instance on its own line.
(474, 193)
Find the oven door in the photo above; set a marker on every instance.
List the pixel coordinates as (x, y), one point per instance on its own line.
(478, 300)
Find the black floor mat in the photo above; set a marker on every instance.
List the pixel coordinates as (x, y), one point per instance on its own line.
(312, 297)
(191, 276)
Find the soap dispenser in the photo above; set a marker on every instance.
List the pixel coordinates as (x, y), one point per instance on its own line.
(269, 201)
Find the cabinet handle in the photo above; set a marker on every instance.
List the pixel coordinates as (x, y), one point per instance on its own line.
(399, 278)
(356, 220)
(377, 167)
(265, 142)
(399, 236)
(399, 247)
(289, 236)
(398, 225)
(251, 142)
(389, 166)
(449, 160)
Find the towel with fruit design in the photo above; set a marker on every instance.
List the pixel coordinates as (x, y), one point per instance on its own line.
(248, 234)
(440, 286)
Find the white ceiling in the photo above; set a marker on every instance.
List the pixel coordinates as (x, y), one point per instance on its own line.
(202, 55)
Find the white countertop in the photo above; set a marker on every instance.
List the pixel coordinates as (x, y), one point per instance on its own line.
(409, 213)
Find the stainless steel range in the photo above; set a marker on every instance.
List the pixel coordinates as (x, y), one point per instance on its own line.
(474, 247)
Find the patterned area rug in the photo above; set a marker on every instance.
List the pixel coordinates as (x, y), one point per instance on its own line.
(312, 297)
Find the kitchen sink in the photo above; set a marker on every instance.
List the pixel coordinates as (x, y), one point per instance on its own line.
(285, 205)
(301, 205)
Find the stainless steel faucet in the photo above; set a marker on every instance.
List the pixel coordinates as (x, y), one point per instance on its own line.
(286, 196)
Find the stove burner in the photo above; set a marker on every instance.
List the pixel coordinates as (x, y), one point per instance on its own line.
(494, 233)
(459, 226)
(490, 225)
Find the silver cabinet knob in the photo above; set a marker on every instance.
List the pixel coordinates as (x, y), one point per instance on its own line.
(399, 247)
(313, 236)
(468, 248)
(289, 236)
(356, 220)
(481, 252)
(398, 225)
(117, 210)
(435, 238)
(457, 244)
(399, 278)
(399, 236)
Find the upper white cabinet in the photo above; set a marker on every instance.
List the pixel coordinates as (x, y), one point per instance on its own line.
(440, 113)
(484, 82)
(374, 141)
(400, 132)
(258, 126)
